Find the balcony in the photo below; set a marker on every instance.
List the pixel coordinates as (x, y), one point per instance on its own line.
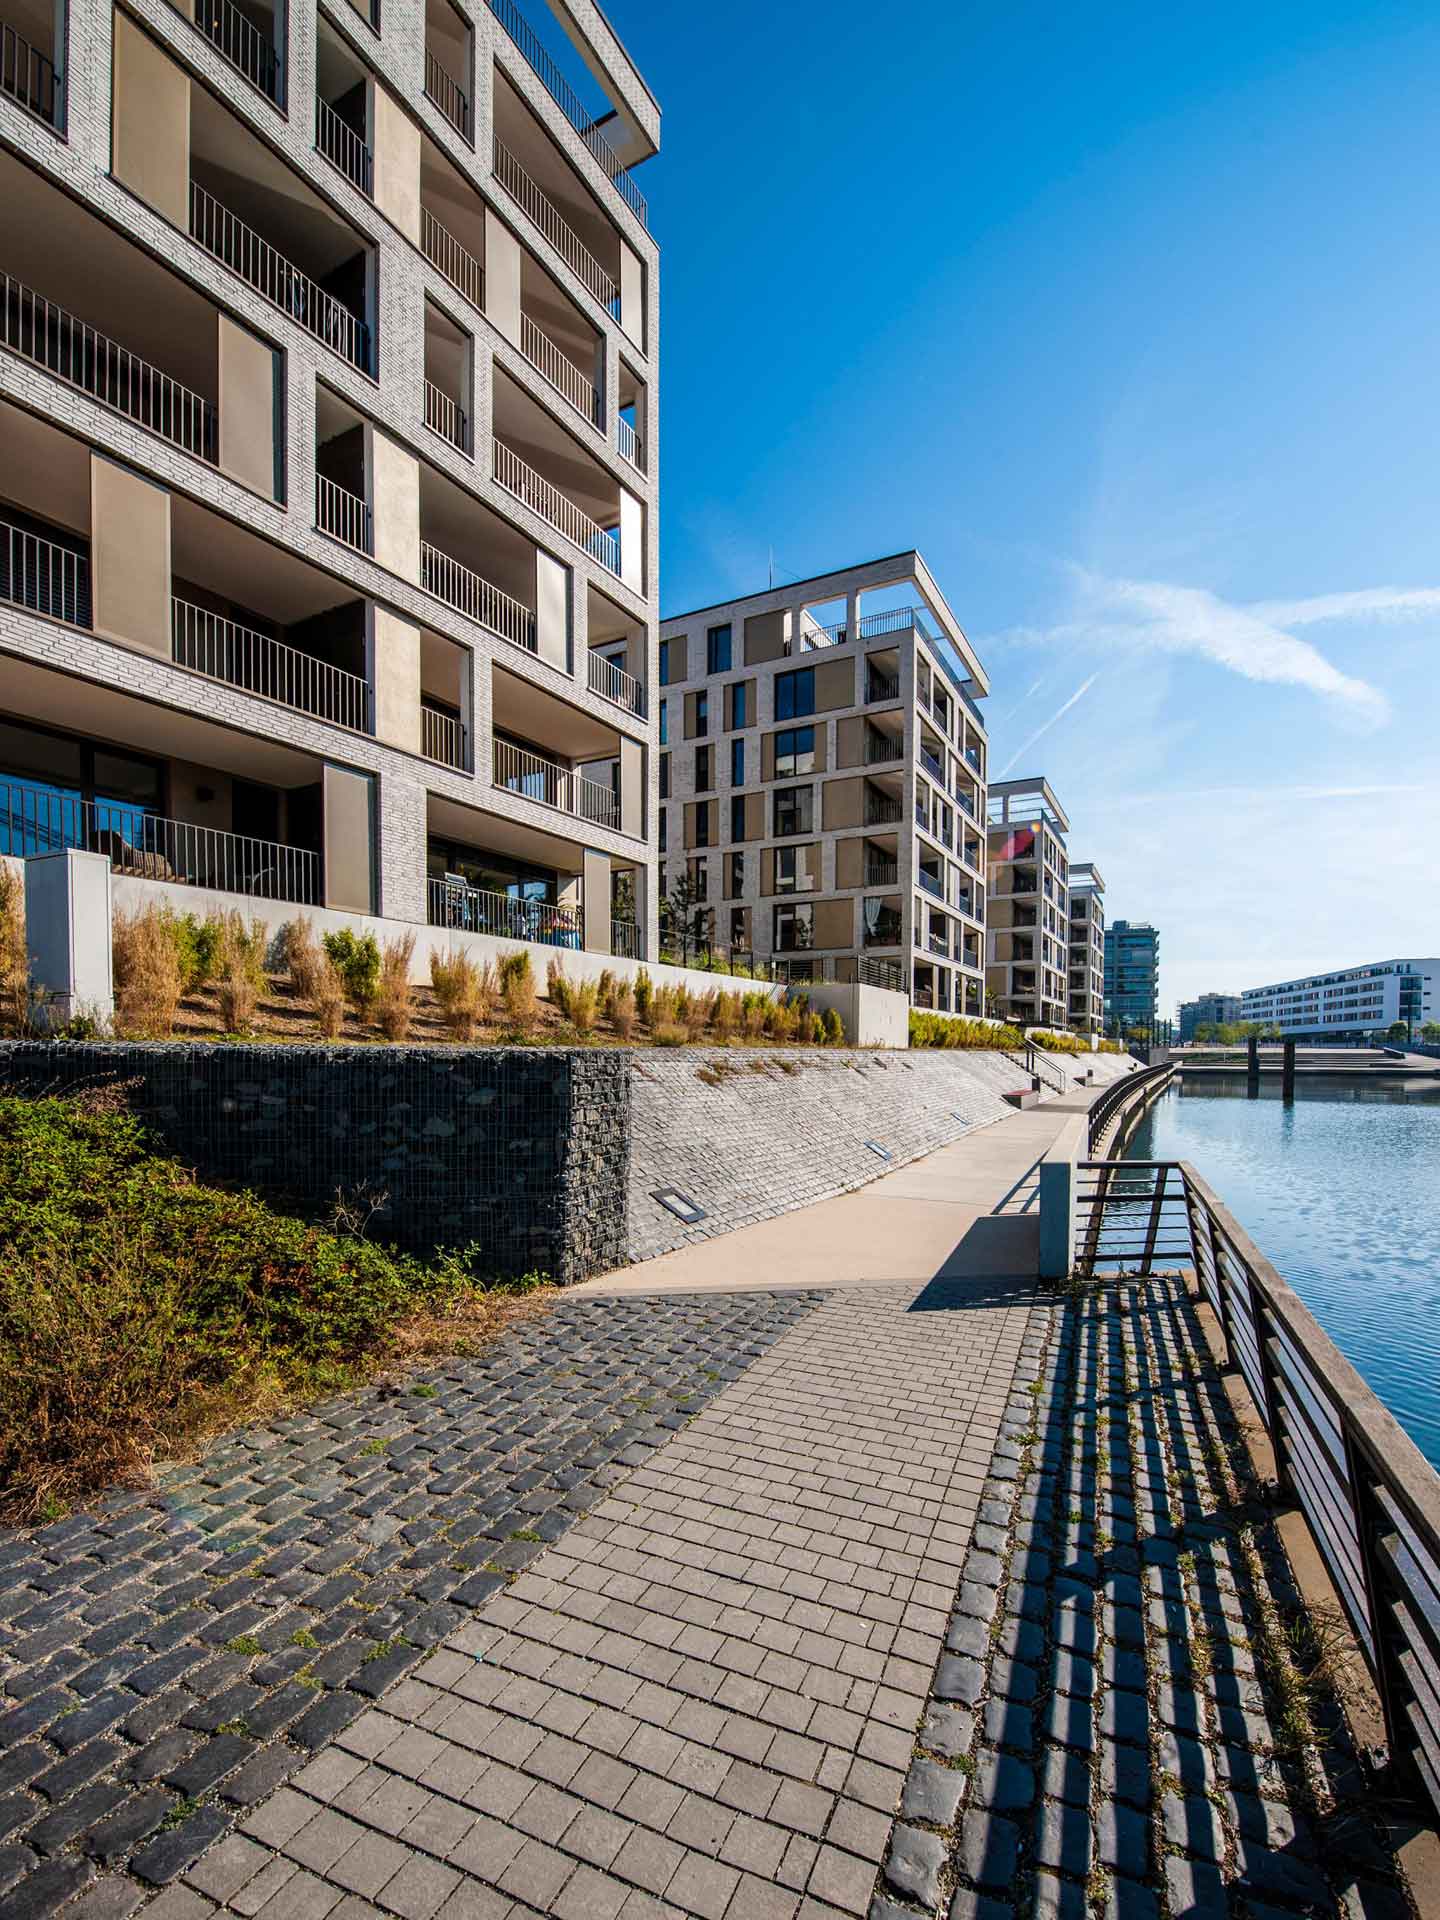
(626, 939)
(521, 479)
(628, 442)
(344, 147)
(543, 213)
(452, 903)
(248, 48)
(563, 94)
(442, 737)
(883, 924)
(144, 845)
(449, 96)
(930, 883)
(446, 417)
(561, 372)
(881, 810)
(881, 873)
(43, 576)
(343, 514)
(453, 259)
(932, 765)
(937, 943)
(65, 346)
(613, 683)
(881, 686)
(882, 747)
(461, 587)
(517, 771)
(28, 77)
(221, 649)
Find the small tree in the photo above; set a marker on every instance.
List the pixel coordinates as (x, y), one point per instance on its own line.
(1430, 1032)
(683, 917)
(1397, 1030)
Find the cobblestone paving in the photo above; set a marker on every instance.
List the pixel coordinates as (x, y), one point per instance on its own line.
(168, 1660)
(1108, 1729)
(703, 1699)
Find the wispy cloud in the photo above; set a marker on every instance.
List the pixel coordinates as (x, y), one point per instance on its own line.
(1045, 726)
(1370, 603)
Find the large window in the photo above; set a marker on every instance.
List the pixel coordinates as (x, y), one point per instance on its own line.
(664, 776)
(737, 816)
(664, 663)
(47, 781)
(739, 713)
(794, 752)
(664, 722)
(702, 824)
(737, 763)
(704, 769)
(794, 927)
(734, 875)
(717, 650)
(794, 871)
(795, 694)
(794, 810)
(702, 714)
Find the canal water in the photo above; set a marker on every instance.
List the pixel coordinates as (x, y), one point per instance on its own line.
(1341, 1192)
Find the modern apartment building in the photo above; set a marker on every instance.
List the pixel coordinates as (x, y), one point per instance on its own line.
(328, 406)
(1027, 912)
(822, 779)
(1352, 1004)
(1087, 948)
(1209, 1010)
(1132, 973)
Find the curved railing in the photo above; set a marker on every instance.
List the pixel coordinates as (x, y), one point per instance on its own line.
(1123, 1104)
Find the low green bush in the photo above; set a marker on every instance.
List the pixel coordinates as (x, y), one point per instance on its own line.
(356, 958)
(946, 1030)
(1059, 1042)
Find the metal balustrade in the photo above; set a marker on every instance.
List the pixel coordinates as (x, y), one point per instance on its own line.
(442, 738)
(629, 443)
(452, 258)
(343, 147)
(223, 650)
(447, 417)
(36, 819)
(518, 478)
(553, 785)
(930, 884)
(448, 95)
(882, 873)
(561, 372)
(932, 765)
(343, 514)
(568, 101)
(881, 812)
(542, 212)
(51, 338)
(453, 903)
(614, 683)
(625, 939)
(43, 576)
(28, 77)
(882, 686)
(460, 587)
(248, 50)
(264, 268)
(880, 748)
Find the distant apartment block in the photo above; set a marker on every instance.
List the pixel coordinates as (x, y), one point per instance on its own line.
(822, 780)
(1132, 973)
(1027, 912)
(328, 395)
(1209, 1010)
(1087, 948)
(1352, 1004)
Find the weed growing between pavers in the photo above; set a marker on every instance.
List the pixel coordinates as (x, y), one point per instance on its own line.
(1132, 1714)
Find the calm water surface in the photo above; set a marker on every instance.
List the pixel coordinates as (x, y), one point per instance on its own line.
(1341, 1191)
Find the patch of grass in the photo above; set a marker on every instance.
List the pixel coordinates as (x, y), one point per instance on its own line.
(244, 1643)
(382, 1647)
(302, 1637)
(424, 1391)
(142, 1311)
(526, 1533)
(372, 1447)
(239, 1728)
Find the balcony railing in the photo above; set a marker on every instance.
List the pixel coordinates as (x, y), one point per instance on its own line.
(447, 417)
(452, 903)
(454, 583)
(343, 514)
(28, 77)
(931, 884)
(880, 747)
(448, 95)
(222, 650)
(629, 443)
(553, 785)
(932, 765)
(55, 340)
(454, 260)
(516, 477)
(614, 683)
(560, 371)
(939, 944)
(881, 873)
(343, 147)
(442, 737)
(541, 210)
(882, 686)
(44, 577)
(883, 933)
(37, 819)
(568, 101)
(625, 939)
(880, 812)
(242, 43)
(272, 276)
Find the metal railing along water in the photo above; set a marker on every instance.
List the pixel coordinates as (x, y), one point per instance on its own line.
(143, 845)
(462, 588)
(1126, 1099)
(452, 258)
(343, 147)
(442, 737)
(518, 478)
(553, 785)
(56, 340)
(28, 76)
(541, 210)
(43, 576)
(614, 683)
(263, 267)
(453, 903)
(560, 371)
(447, 94)
(446, 417)
(629, 443)
(568, 101)
(241, 657)
(342, 513)
(248, 50)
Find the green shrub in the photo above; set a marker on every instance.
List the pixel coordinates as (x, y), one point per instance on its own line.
(945, 1030)
(644, 995)
(834, 1028)
(1058, 1042)
(356, 958)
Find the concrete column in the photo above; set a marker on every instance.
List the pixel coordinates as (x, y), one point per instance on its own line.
(247, 409)
(400, 846)
(150, 123)
(67, 934)
(502, 278)
(632, 788)
(552, 610)
(1057, 1201)
(595, 902)
(395, 144)
(393, 645)
(632, 296)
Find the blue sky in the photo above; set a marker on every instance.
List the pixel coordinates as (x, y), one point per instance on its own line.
(1127, 319)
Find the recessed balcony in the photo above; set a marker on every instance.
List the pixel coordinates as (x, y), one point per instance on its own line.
(44, 569)
(245, 36)
(452, 225)
(453, 523)
(449, 55)
(533, 490)
(29, 72)
(553, 784)
(618, 645)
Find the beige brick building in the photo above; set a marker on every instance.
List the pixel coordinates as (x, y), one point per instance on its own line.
(1027, 940)
(1087, 948)
(329, 415)
(823, 768)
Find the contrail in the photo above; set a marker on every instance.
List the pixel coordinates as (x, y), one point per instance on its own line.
(1059, 714)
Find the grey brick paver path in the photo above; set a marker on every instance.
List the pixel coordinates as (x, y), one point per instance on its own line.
(702, 1699)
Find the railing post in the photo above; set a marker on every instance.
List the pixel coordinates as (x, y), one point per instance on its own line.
(1386, 1671)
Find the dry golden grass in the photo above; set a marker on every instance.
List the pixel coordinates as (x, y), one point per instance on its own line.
(149, 980)
(394, 1007)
